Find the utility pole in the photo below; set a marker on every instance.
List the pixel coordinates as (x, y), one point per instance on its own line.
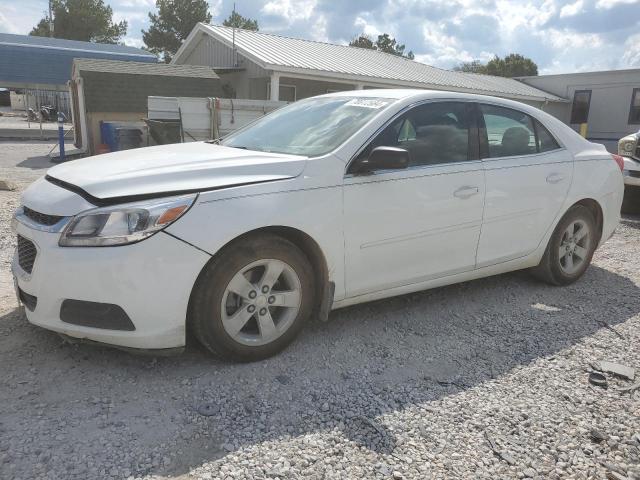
(233, 42)
(50, 20)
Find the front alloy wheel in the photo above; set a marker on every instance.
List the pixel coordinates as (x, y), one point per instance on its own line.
(261, 302)
(253, 298)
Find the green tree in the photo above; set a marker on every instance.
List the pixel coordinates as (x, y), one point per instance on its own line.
(513, 65)
(238, 21)
(363, 41)
(384, 43)
(86, 20)
(475, 66)
(388, 44)
(172, 24)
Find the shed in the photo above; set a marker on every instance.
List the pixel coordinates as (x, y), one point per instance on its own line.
(111, 90)
(257, 65)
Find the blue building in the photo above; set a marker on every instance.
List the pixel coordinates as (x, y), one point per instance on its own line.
(42, 63)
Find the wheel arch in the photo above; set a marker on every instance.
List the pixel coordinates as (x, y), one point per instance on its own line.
(596, 209)
(309, 247)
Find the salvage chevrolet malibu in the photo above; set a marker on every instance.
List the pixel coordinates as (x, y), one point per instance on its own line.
(327, 202)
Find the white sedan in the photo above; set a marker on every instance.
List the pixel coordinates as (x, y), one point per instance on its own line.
(328, 202)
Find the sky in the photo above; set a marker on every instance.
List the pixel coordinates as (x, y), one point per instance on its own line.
(580, 35)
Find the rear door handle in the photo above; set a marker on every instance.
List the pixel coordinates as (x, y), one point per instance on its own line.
(554, 178)
(466, 192)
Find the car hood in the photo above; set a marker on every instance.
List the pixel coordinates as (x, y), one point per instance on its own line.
(167, 169)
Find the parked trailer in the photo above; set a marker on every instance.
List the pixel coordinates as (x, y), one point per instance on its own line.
(208, 118)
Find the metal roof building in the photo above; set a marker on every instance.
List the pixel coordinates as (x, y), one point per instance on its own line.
(261, 65)
(45, 63)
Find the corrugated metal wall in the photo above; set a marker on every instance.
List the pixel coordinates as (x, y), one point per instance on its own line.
(211, 53)
(29, 65)
(214, 54)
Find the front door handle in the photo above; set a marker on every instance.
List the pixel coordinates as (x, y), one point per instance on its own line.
(554, 178)
(466, 192)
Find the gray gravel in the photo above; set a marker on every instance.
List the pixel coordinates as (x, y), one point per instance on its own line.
(486, 379)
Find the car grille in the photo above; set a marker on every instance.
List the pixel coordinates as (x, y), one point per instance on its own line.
(41, 218)
(26, 254)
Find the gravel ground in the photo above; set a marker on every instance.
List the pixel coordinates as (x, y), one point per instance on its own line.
(486, 379)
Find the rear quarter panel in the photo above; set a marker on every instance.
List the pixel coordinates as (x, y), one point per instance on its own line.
(597, 176)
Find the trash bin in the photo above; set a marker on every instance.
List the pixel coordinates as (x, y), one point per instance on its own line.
(119, 136)
(108, 135)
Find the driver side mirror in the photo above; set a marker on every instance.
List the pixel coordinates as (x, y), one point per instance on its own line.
(382, 158)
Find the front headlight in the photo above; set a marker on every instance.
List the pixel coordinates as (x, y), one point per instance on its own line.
(123, 224)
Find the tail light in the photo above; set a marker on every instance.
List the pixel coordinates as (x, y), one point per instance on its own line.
(619, 160)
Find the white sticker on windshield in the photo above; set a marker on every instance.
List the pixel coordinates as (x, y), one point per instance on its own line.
(368, 102)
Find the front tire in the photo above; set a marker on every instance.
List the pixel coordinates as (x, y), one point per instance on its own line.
(253, 299)
(570, 248)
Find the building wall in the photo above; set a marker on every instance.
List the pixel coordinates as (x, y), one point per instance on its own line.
(18, 101)
(214, 54)
(608, 119)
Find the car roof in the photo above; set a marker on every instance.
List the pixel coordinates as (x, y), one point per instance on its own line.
(407, 96)
(424, 94)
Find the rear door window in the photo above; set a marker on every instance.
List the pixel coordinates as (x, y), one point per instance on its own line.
(546, 142)
(509, 132)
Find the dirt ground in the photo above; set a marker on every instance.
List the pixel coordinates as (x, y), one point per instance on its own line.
(486, 379)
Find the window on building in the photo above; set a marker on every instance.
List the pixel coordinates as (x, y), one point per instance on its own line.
(510, 132)
(634, 112)
(287, 93)
(433, 133)
(546, 142)
(580, 108)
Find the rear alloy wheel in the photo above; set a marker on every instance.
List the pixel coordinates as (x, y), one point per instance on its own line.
(575, 247)
(253, 299)
(570, 248)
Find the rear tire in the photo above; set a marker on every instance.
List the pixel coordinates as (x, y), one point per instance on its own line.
(631, 200)
(253, 299)
(570, 248)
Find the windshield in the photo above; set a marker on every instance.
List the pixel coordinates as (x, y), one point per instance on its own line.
(309, 127)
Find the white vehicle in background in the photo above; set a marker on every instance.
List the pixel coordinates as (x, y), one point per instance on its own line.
(328, 202)
(629, 148)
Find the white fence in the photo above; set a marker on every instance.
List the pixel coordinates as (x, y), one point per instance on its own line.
(209, 118)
